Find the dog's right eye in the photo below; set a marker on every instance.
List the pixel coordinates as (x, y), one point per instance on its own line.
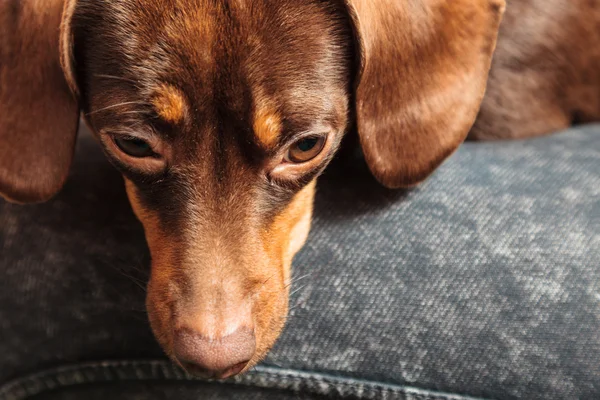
(134, 147)
(305, 149)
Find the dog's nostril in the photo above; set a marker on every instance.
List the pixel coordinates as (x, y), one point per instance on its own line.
(216, 358)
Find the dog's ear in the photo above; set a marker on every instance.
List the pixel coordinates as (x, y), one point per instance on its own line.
(423, 67)
(39, 113)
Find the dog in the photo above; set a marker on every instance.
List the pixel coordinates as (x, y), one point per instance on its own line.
(221, 114)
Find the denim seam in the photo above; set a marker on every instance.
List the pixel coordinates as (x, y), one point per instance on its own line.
(260, 377)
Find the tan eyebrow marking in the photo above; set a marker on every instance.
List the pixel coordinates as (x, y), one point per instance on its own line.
(267, 124)
(169, 104)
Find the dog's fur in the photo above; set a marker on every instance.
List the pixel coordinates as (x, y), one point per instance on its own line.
(545, 74)
(220, 89)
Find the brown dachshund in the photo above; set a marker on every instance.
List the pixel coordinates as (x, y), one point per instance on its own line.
(222, 113)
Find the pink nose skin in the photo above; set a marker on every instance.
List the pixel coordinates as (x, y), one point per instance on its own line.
(211, 358)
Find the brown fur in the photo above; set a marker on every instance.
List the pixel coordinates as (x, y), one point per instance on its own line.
(419, 91)
(546, 70)
(221, 89)
(35, 150)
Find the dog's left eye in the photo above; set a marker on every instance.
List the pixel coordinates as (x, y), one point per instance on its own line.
(305, 149)
(134, 147)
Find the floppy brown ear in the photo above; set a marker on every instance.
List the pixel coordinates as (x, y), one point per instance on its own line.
(38, 111)
(423, 71)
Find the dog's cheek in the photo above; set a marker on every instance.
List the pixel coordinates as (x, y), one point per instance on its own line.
(289, 230)
(282, 240)
(162, 244)
(270, 313)
(134, 200)
(300, 231)
(160, 296)
(160, 316)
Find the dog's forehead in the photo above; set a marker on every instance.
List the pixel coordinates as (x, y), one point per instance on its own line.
(259, 51)
(264, 61)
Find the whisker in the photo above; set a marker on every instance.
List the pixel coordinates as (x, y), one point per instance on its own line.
(125, 103)
(135, 124)
(134, 112)
(135, 280)
(138, 266)
(264, 283)
(298, 279)
(297, 290)
(177, 362)
(124, 270)
(290, 309)
(117, 78)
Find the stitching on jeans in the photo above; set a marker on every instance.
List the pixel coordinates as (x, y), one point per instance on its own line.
(260, 377)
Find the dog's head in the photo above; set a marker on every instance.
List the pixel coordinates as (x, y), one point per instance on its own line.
(220, 115)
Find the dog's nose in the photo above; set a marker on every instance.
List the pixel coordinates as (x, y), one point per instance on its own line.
(215, 358)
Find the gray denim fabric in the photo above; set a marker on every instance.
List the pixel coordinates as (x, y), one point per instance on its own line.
(482, 282)
(165, 390)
